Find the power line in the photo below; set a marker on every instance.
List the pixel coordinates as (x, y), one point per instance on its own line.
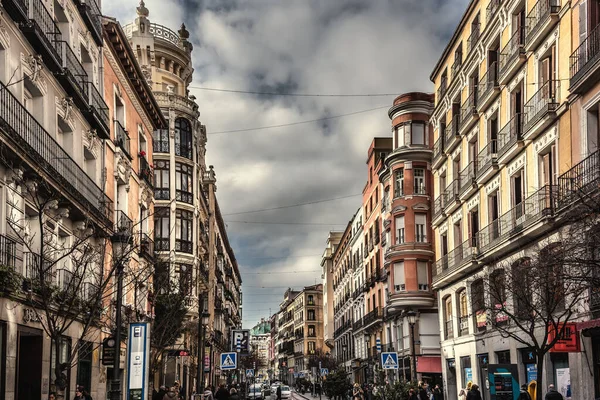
(284, 223)
(299, 122)
(281, 272)
(278, 258)
(293, 205)
(295, 94)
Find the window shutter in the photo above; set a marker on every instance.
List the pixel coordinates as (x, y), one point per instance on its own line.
(422, 275)
(399, 276)
(582, 21)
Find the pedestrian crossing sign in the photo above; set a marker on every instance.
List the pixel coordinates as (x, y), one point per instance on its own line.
(389, 360)
(228, 361)
(324, 372)
(249, 373)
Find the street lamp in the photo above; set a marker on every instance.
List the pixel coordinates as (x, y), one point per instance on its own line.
(412, 320)
(203, 320)
(121, 243)
(344, 350)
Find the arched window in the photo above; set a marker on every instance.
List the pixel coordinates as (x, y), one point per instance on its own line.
(478, 304)
(463, 312)
(448, 328)
(521, 288)
(183, 138)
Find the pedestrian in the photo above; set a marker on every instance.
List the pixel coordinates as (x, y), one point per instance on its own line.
(81, 394)
(278, 392)
(423, 391)
(474, 393)
(357, 392)
(233, 394)
(208, 394)
(438, 393)
(524, 395)
(222, 393)
(171, 394)
(52, 396)
(553, 394)
(412, 395)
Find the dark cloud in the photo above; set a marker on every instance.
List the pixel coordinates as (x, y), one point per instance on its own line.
(306, 46)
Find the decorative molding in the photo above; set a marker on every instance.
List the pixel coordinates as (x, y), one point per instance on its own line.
(517, 164)
(474, 132)
(443, 228)
(64, 109)
(474, 202)
(492, 109)
(421, 207)
(4, 35)
(399, 208)
(518, 78)
(91, 142)
(408, 165)
(493, 185)
(457, 216)
(33, 66)
(547, 138)
(551, 38)
(123, 168)
(456, 152)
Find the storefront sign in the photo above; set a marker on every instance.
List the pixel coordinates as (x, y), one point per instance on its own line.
(138, 361)
(109, 346)
(568, 341)
(207, 359)
(481, 319)
(29, 315)
(500, 315)
(531, 372)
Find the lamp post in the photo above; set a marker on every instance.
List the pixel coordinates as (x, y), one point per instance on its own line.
(121, 242)
(344, 350)
(203, 320)
(412, 319)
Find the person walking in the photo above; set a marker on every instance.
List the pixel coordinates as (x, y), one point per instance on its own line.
(474, 393)
(524, 394)
(357, 392)
(412, 395)
(208, 395)
(438, 393)
(233, 394)
(171, 394)
(222, 393)
(423, 391)
(278, 392)
(553, 394)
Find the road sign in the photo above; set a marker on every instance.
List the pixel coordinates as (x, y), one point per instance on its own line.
(249, 373)
(389, 360)
(324, 372)
(109, 346)
(228, 361)
(244, 339)
(378, 343)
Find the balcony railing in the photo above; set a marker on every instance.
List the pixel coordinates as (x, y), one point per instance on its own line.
(122, 139)
(162, 193)
(510, 134)
(511, 51)
(45, 34)
(146, 171)
(359, 323)
(579, 181)
(491, 10)
(184, 196)
(487, 157)
(183, 150)
(75, 73)
(452, 131)
(488, 82)
(459, 256)
(539, 15)
(545, 100)
(452, 193)
(90, 11)
(98, 111)
(442, 89)
(10, 253)
(184, 246)
(438, 150)
(468, 108)
(439, 205)
(162, 244)
(467, 177)
(146, 246)
(38, 269)
(455, 69)
(585, 58)
(540, 204)
(473, 38)
(34, 141)
(375, 315)
(123, 222)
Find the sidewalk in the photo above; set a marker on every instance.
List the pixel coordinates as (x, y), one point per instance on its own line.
(309, 396)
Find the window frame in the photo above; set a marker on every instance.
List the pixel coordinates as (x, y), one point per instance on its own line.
(184, 176)
(183, 138)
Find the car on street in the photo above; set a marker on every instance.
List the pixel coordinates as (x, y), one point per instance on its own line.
(255, 392)
(286, 393)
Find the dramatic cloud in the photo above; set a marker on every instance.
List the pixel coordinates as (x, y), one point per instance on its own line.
(299, 46)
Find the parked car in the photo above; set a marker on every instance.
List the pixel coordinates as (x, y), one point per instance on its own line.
(255, 392)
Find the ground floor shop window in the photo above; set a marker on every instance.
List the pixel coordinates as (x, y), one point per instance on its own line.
(528, 358)
(84, 365)
(562, 373)
(503, 357)
(467, 371)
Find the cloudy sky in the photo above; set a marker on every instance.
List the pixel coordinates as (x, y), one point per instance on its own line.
(297, 46)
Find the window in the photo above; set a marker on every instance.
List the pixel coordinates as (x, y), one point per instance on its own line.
(419, 175)
(311, 331)
(400, 230)
(400, 140)
(448, 330)
(183, 183)
(84, 364)
(497, 293)
(311, 301)
(312, 347)
(418, 134)
(162, 229)
(478, 304)
(494, 214)
(546, 166)
(463, 312)
(310, 315)
(160, 142)
(183, 138)
(399, 277)
(185, 277)
(521, 292)
(422, 276)
(183, 230)
(420, 228)
(161, 180)
(517, 186)
(399, 183)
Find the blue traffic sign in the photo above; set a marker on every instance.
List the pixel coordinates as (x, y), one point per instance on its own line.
(228, 361)
(249, 373)
(378, 343)
(324, 372)
(389, 360)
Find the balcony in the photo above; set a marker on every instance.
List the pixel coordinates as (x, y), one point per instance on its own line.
(488, 87)
(452, 196)
(146, 246)
(438, 207)
(463, 255)
(540, 21)
(97, 112)
(184, 246)
(456, 66)
(510, 139)
(162, 244)
(17, 9)
(183, 150)
(581, 181)
(374, 316)
(184, 196)
(463, 323)
(468, 182)
(468, 112)
(10, 253)
(442, 89)
(90, 12)
(162, 193)
(39, 271)
(122, 139)
(438, 152)
(473, 38)
(65, 280)
(540, 110)
(359, 323)
(584, 63)
(73, 77)
(517, 220)
(146, 172)
(123, 223)
(44, 35)
(512, 56)
(487, 161)
(491, 10)
(452, 134)
(34, 142)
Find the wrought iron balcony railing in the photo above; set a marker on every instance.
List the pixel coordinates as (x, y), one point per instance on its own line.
(442, 89)
(438, 150)
(92, 16)
(545, 100)
(98, 111)
(438, 205)
(579, 181)
(44, 34)
(487, 157)
(456, 258)
(491, 10)
(34, 141)
(10, 253)
(473, 37)
(467, 177)
(122, 139)
(146, 172)
(455, 69)
(539, 15)
(511, 51)
(123, 222)
(488, 82)
(38, 269)
(468, 108)
(146, 246)
(510, 134)
(585, 58)
(452, 192)
(74, 72)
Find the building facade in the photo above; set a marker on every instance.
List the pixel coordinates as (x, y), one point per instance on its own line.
(308, 326)
(328, 293)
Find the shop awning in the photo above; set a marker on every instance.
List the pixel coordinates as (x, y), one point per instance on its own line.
(595, 323)
(429, 364)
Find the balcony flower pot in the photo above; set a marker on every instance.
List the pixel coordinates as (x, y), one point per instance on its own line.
(10, 281)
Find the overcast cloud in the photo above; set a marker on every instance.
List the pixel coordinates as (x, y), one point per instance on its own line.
(300, 46)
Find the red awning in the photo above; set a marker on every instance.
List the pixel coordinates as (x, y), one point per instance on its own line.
(595, 323)
(429, 364)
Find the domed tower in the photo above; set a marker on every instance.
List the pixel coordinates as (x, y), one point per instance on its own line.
(408, 243)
